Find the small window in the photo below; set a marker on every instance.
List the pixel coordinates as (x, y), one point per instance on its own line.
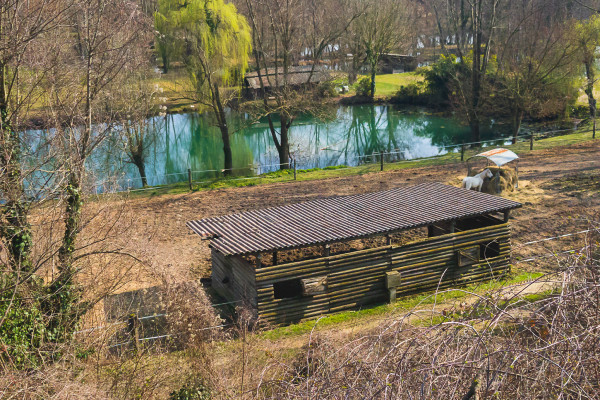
(490, 250)
(468, 256)
(287, 289)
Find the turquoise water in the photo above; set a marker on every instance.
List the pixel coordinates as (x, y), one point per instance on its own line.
(349, 137)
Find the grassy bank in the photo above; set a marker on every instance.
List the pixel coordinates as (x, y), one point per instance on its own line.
(400, 307)
(452, 157)
(387, 85)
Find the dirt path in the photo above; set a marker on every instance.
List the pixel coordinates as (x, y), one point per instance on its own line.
(548, 209)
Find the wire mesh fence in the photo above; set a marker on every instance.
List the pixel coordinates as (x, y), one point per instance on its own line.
(301, 163)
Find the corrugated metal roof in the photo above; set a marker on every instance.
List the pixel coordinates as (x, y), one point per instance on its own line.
(342, 218)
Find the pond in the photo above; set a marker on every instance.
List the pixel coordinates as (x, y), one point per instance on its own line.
(349, 137)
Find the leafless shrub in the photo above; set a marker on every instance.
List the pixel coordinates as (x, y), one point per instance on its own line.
(53, 383)
(190, 317)
(534, 340)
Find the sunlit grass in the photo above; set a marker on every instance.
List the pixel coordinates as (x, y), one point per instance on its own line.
(387, 85)
(402, 305)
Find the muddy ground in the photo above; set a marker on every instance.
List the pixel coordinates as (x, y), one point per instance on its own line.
(559, 189)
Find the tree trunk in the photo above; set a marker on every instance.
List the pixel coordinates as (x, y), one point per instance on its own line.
(63, 300)
(516, 123)
(475, 133)
(373, 71)
(141, 166)
(589, 91)
(165, 60)
(218, 106)
(16, 231)
(284, 143)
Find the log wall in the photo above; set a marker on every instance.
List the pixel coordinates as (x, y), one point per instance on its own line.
(358, 278)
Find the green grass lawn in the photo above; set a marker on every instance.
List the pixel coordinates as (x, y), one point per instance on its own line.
(387, 85)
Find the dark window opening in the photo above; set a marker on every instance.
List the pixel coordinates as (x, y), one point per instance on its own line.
(468, 256)
(489, 250)
(287, 289)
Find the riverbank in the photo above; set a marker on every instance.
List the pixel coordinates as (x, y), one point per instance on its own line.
(373, 165)
(552, 204)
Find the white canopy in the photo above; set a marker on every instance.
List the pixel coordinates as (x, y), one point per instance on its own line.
(499, 156)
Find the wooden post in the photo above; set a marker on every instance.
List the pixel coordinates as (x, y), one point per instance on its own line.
(429, 230)
(274, 258)
(506, 215)
(388, 239)
(190, 177)
(392, 281)
(294, 168)
(531, 142)
(462, 151)
(452, 226)
(327, 251)
(594, 119)
(258, 260)
(381, 160)
(133, 327)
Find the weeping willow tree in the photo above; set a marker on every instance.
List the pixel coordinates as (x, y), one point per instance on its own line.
(217, 42)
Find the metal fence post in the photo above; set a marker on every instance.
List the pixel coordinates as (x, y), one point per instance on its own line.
(190, 178)
(462, 151)
(381, 160)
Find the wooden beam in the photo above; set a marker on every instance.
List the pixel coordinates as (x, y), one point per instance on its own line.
(258, 260)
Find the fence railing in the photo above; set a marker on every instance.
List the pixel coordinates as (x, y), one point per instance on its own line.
(132, 320)
(394, 156)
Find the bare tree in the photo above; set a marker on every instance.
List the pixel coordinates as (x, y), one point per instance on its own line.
(279, 41)
(105, 38)
(384, 26)
(470, 26)
(21, 24)
(535, 71)
(587, 39)
(141, 116)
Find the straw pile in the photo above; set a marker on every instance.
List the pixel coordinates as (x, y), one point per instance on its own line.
(504, 179)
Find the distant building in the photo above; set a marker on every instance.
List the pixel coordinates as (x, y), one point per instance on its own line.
(390, 63)
(297, 77)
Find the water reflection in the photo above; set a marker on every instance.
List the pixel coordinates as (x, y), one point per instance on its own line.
(192, 141)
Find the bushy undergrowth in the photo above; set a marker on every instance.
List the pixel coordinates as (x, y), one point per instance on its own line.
(22, 331)
(542, 346)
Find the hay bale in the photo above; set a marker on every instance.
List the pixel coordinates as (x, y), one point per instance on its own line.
(504, 179)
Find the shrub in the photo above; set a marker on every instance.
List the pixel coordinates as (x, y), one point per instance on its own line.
(327, 89)
(192, 391)
(363, 86)
(413, 93)
(22, 331)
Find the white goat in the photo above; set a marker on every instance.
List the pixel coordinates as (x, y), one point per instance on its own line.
(476, 182)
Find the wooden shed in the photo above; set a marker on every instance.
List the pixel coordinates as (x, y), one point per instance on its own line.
(296, 77)
(455, 236)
